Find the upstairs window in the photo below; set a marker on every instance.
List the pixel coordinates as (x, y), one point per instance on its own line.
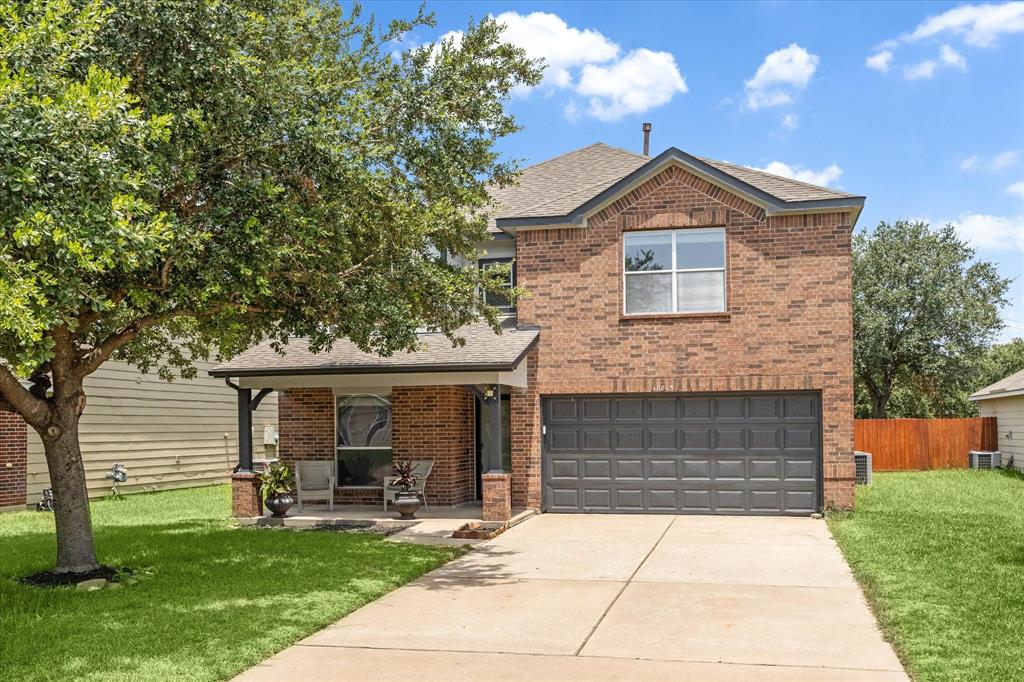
(495, 299)
(674, 271)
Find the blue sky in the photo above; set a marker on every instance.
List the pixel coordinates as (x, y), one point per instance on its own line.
(917, 105)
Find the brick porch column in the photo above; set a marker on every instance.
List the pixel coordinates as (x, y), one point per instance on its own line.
(497, 496)
(245, 496)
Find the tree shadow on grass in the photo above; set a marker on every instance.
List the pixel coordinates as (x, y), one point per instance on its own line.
(219, 599)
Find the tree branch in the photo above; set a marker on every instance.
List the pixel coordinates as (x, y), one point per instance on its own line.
(91, 361)
(32, 409)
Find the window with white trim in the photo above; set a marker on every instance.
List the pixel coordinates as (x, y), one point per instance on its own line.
(497, 300)
(362, 428)
(674, 271)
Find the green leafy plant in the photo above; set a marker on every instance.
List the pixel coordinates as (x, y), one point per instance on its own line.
(276, 480)
(406, 478)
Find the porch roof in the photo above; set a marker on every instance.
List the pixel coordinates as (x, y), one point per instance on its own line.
(484, 351)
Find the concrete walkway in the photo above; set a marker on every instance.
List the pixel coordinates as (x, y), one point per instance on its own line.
(615, 598)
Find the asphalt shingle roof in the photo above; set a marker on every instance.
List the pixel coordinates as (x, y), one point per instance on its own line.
(1014, 382)
(559, 185)
(484, 350)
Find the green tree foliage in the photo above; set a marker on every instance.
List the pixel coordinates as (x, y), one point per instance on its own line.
(184, 179)
(925, 313)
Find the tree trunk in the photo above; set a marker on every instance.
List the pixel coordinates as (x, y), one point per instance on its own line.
(75, 551)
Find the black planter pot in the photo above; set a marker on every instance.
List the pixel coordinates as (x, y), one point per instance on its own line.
(407, 505)
(279, 505)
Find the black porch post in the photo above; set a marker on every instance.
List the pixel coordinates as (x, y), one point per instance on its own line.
(496, 464)
(244, 430)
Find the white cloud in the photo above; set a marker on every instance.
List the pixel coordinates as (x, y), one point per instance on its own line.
(880, 61)
(1005, 159)
(970, 163)
(980, 25)
(947, 58)
(589, 64)
(640, 81)
(999, 233)
(790, 121)
(1016, 189)
(782, 74)
(1001, 161)
(824, 177)
(951, 57)
(562, 47)
(977, 25)
(925, 69)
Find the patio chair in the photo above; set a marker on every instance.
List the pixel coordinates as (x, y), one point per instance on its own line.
(315, 480)
(421, 468)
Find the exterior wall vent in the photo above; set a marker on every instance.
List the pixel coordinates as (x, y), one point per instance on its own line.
(985, 460)
(862, 468)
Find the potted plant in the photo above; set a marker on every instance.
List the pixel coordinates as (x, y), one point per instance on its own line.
(276, 489)
(406, 501)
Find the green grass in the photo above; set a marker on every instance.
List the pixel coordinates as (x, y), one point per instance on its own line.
(219, 599)
(940, 555)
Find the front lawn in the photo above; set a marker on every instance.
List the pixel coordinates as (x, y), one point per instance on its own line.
(940, 555)
(219, 599)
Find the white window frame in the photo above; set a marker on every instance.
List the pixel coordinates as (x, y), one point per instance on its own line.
(339, 448)
(674, 271)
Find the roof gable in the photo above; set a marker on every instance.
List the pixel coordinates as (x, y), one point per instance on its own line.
(567, 189)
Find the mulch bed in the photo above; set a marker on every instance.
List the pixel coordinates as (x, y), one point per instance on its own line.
(64, 579)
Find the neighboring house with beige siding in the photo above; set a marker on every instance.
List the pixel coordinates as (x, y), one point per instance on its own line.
(168, 434)
(1004, 400)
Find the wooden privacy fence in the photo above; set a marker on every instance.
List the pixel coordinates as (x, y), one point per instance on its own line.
(915, 444)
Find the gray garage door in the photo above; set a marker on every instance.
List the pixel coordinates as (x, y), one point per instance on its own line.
(755, 453)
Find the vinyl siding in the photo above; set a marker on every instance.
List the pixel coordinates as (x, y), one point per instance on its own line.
(169, 435)
(1009, 414)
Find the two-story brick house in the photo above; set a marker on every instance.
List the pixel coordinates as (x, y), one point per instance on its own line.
(686, 348)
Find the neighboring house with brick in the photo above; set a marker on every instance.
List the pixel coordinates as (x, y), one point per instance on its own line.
(168, 435)
(686, 348)
(1004, 400)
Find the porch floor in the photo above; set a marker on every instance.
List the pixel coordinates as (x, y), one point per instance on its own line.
(433, 526)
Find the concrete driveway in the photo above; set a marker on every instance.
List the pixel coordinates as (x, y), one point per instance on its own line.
(607, 597)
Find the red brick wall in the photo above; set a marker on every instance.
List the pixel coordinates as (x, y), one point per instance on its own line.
(437, 422)
(428, 422)
(13, 459)
(788, 324)
(526, 437)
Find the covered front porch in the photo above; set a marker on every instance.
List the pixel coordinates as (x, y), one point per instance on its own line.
(449, 407)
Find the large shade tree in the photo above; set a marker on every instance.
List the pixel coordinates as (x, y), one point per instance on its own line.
(184, 179)
(925, 313)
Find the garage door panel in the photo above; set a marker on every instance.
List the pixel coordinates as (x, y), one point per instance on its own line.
(597, 469)
(730, 408)
(628, 499)
(629, 409)
(696, 469)
(661, 409)
(662, 439)
(597, 439)
(628, 439)
(761, 438)
(561, 409)
(718, 454)
(564, 468)
(767, 408)
(729, 439)
(695, 409)
(629, 469)
(695, 439)
(595, 409)
(664, 469)
(564, 440)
